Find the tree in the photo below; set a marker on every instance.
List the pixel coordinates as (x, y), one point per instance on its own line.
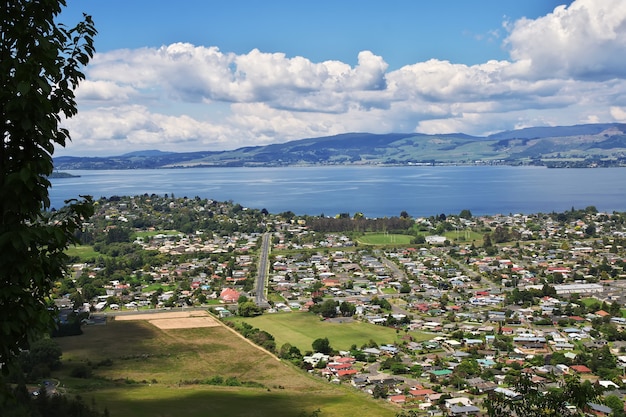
(328, 308)
(487, 240)
(616, 405)
(322, 346)
(465, 214)
(249, 309)
(347, 309)
(534, 402)
(40, 63)
(46, 351)
(287, 351)
(379, 391)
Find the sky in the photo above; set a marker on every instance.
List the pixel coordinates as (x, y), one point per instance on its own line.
(200, 75)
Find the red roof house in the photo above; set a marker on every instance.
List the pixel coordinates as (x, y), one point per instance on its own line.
(228, 295)
(581, 369)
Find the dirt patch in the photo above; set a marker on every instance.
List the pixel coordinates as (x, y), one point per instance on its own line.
(340, 320)
(174, 319)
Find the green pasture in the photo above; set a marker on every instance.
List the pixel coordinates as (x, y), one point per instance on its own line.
(202, 401)
(83, 252)
(464, 236)
(142, 371)
(301, 329)
(155, 286)
(384, 239)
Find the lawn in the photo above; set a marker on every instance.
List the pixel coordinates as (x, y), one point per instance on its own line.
(301, 329)
(384, 239)
(140, 370)
(83, 252)
(466, 236)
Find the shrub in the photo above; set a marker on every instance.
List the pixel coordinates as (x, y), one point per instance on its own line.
(81, 371)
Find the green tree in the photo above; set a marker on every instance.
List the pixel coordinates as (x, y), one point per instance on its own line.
(616, 405)
(40, 67)
(322, 345)
(534, 401)
(328, 308)
(465, 214)
(46, 351)
(347, 309)
(287, 351)
(249, 309)
(379, 391)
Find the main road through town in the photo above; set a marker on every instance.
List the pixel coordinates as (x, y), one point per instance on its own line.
(263, 270)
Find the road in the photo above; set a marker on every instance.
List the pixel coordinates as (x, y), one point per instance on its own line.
(263, 269)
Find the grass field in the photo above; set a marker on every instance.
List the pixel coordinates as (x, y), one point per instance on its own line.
(301, 329)
(143, 370)
(466, 236)
(83, 252)
(385, 239)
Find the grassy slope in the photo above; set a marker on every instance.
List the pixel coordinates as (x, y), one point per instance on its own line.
(141, 352)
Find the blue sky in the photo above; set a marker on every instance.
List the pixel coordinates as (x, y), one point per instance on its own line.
(213, 75)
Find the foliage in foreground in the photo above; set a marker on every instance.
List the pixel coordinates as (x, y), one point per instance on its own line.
(40, 67)
(39, 70)
(534, 400)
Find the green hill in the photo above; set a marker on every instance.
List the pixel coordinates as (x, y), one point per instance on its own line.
(582, 145)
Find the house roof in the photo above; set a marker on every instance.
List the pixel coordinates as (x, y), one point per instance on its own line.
(397, 398)
(421, 392)
(345, 372)
(441, 372)
(582, 369)
(600, 408)
(229, 294)
(464, 409)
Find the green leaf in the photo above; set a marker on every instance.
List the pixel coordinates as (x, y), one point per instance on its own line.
(23, 87)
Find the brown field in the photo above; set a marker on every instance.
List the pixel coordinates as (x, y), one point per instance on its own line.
(142, 370)
(174, 319)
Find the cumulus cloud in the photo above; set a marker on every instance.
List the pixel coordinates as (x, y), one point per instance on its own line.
(619, 113)
(564, 68)
(585, 40)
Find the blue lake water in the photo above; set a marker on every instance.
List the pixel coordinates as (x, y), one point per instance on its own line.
(374, 191)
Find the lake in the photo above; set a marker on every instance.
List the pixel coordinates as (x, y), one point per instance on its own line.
(373, 191)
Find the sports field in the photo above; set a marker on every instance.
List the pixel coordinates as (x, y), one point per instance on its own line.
(385, 239)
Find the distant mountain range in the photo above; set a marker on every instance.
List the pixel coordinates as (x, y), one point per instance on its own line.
(588, 145)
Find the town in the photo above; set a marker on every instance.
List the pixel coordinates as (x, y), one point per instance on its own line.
(476, 301)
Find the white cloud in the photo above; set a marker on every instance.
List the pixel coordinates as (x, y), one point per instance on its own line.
(585, 40)
(618, 113)
(565, 68)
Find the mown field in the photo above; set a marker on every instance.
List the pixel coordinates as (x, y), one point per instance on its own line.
(139, 370)
(385, 239)
(381, 239)
(83, 252)
(301, 329)
(466, 236)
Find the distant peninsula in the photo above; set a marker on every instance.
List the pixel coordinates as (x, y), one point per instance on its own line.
(579, 146)
(57, 174)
